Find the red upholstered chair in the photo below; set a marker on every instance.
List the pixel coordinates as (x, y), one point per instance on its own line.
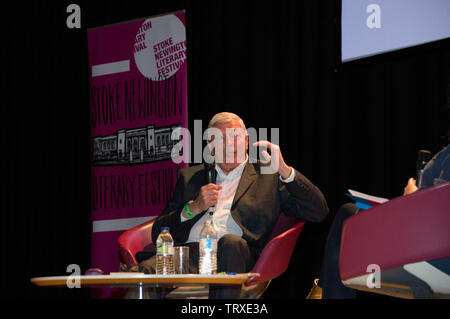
(275, 257)
(136, 239)
(408, 238)
(283, 239)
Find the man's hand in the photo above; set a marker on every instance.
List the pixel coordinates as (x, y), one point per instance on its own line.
(207, 197)
(276, 159)
(410, 187)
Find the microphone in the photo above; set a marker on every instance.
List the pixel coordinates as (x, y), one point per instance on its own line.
(422, 159)
(211, 176)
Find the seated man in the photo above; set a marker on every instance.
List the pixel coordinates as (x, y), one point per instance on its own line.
(247, 203)
(436, 172)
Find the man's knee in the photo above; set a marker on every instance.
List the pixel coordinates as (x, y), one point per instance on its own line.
(348, 209)
(231, 241)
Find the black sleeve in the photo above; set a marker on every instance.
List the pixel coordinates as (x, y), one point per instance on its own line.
(302, 199)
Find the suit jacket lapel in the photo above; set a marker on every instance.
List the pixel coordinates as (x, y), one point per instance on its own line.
(247, 179)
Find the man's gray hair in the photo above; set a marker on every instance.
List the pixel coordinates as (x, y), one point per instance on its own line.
(225, 117)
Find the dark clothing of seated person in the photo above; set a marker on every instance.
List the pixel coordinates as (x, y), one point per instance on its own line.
(247, 203)
(436, 172)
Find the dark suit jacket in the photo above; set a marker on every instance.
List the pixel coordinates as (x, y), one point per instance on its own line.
(256, 206)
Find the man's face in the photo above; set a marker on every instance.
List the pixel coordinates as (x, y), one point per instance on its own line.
(231, 148)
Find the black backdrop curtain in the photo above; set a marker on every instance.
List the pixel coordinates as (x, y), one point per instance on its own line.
(275, 63)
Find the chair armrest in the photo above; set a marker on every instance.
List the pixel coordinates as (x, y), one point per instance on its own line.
(136, 239)
(402, 231)
(278, 249)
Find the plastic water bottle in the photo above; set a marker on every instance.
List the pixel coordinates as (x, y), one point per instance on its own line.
(164, 253)
(208, 249)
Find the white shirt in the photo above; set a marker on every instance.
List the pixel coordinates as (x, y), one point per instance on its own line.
(222, 218)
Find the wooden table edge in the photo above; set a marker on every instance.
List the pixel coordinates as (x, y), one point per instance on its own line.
(86, 280)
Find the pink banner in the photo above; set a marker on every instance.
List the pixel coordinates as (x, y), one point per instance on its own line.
(138, 97)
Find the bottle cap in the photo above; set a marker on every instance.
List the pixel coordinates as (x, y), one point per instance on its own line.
(165, 228)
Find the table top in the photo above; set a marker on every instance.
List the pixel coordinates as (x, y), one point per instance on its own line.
(140, 278)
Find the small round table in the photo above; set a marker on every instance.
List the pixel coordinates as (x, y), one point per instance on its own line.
(140, 280)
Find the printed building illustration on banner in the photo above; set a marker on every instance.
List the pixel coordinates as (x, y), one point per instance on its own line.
(135, 146)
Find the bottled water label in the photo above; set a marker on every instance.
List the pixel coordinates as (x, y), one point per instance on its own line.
(208, 243)
(208, 249)
(164, 249)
